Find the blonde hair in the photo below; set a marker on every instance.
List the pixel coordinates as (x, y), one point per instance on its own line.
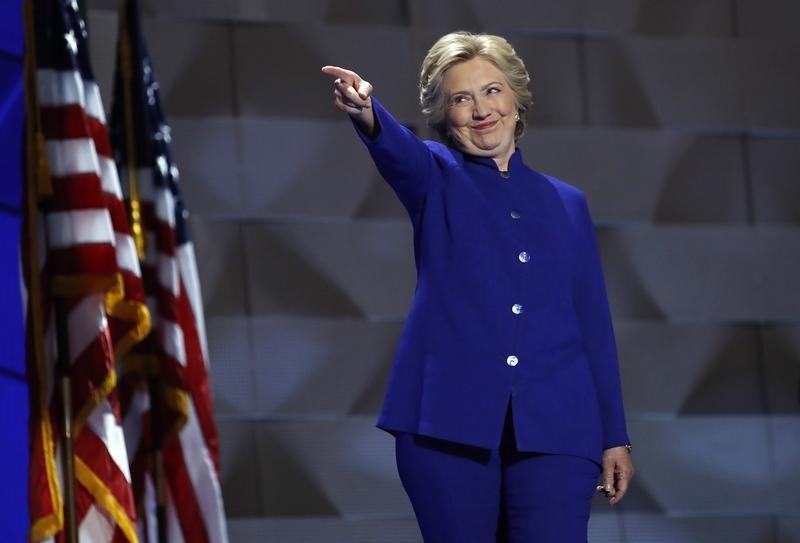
(461, 46)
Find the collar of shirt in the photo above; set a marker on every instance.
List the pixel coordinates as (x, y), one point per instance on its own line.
(513, 163)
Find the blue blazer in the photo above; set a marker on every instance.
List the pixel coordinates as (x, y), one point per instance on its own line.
(510, 304)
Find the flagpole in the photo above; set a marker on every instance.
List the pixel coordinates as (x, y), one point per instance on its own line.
(126, 66)
(137, 229)
(67, 449)
(157, 433)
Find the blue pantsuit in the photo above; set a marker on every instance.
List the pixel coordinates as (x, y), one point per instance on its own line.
(469, 494)
(510, 309)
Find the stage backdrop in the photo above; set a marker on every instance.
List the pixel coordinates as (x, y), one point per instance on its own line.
(13, 390)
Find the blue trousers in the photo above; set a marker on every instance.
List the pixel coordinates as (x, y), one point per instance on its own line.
(464, 494)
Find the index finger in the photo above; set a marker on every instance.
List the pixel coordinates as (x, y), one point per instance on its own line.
(336, 71)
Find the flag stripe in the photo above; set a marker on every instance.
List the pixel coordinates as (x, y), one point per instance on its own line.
(197, 378)
(102, 476)
(191, 281)
(66, 87)
(203, 473)
(110, 177)
(173, 340)
(95, 526)
(184, 495)
(164, 205)
(168, 275)
(72, 156)
(97, 258)
(76, 191)
(105, 425)
(68, 228)
(72, 122)
(87, 324)
(126, 254)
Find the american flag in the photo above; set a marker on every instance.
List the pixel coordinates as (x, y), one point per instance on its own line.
(77, 248)
(178, 411)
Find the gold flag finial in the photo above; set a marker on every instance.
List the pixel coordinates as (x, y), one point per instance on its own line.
(134, 203)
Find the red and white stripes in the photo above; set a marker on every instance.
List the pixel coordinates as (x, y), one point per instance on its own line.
(85, 255)
(191, 460)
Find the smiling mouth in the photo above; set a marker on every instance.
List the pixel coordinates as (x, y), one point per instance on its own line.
(484, 126)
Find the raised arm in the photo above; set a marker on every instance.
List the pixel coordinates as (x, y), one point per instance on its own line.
(404, 160)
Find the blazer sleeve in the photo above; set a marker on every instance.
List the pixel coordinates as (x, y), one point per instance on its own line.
(403, 159)
(593, 313)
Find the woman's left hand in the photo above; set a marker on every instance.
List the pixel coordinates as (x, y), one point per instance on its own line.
(617, 473)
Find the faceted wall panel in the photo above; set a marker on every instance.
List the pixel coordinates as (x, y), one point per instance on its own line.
(771, 83)
(788, 529)
(781, 354)
(654, 17)
(343, 364)
(323, 530)
(329, 175)
(768, 19)
(210, 165)
(702, 274)
(775, 167)
(648, 528)
(786, 448)
(241, 468)
(690, 369)
(633, 83)
(645, 175)
(230, 346)
(292, 85)
(330, 269)
(191, 60)
(687, 464)
(508, 15)
(221, 263)
(323, 468)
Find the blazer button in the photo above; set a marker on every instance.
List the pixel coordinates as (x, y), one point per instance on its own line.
(512, 360)
(517, 309)
(515, 214)
(524, 257)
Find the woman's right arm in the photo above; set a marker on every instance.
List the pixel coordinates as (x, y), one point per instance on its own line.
(401, 157)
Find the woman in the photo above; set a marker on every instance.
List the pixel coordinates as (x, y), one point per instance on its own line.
(504, 397)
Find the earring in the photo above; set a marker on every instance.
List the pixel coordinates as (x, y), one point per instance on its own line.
(516, 117)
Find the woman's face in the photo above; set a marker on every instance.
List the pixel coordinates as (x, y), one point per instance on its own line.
(480, 109)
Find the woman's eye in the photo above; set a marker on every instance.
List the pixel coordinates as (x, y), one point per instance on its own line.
(492, 90)
(459, 99)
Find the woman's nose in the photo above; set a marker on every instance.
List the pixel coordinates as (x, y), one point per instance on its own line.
(480, 109)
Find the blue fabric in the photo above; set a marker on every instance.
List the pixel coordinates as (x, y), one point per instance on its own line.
(464, 493)
(11, 28)
(14, 518)
(450, 377)
(12, 115)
